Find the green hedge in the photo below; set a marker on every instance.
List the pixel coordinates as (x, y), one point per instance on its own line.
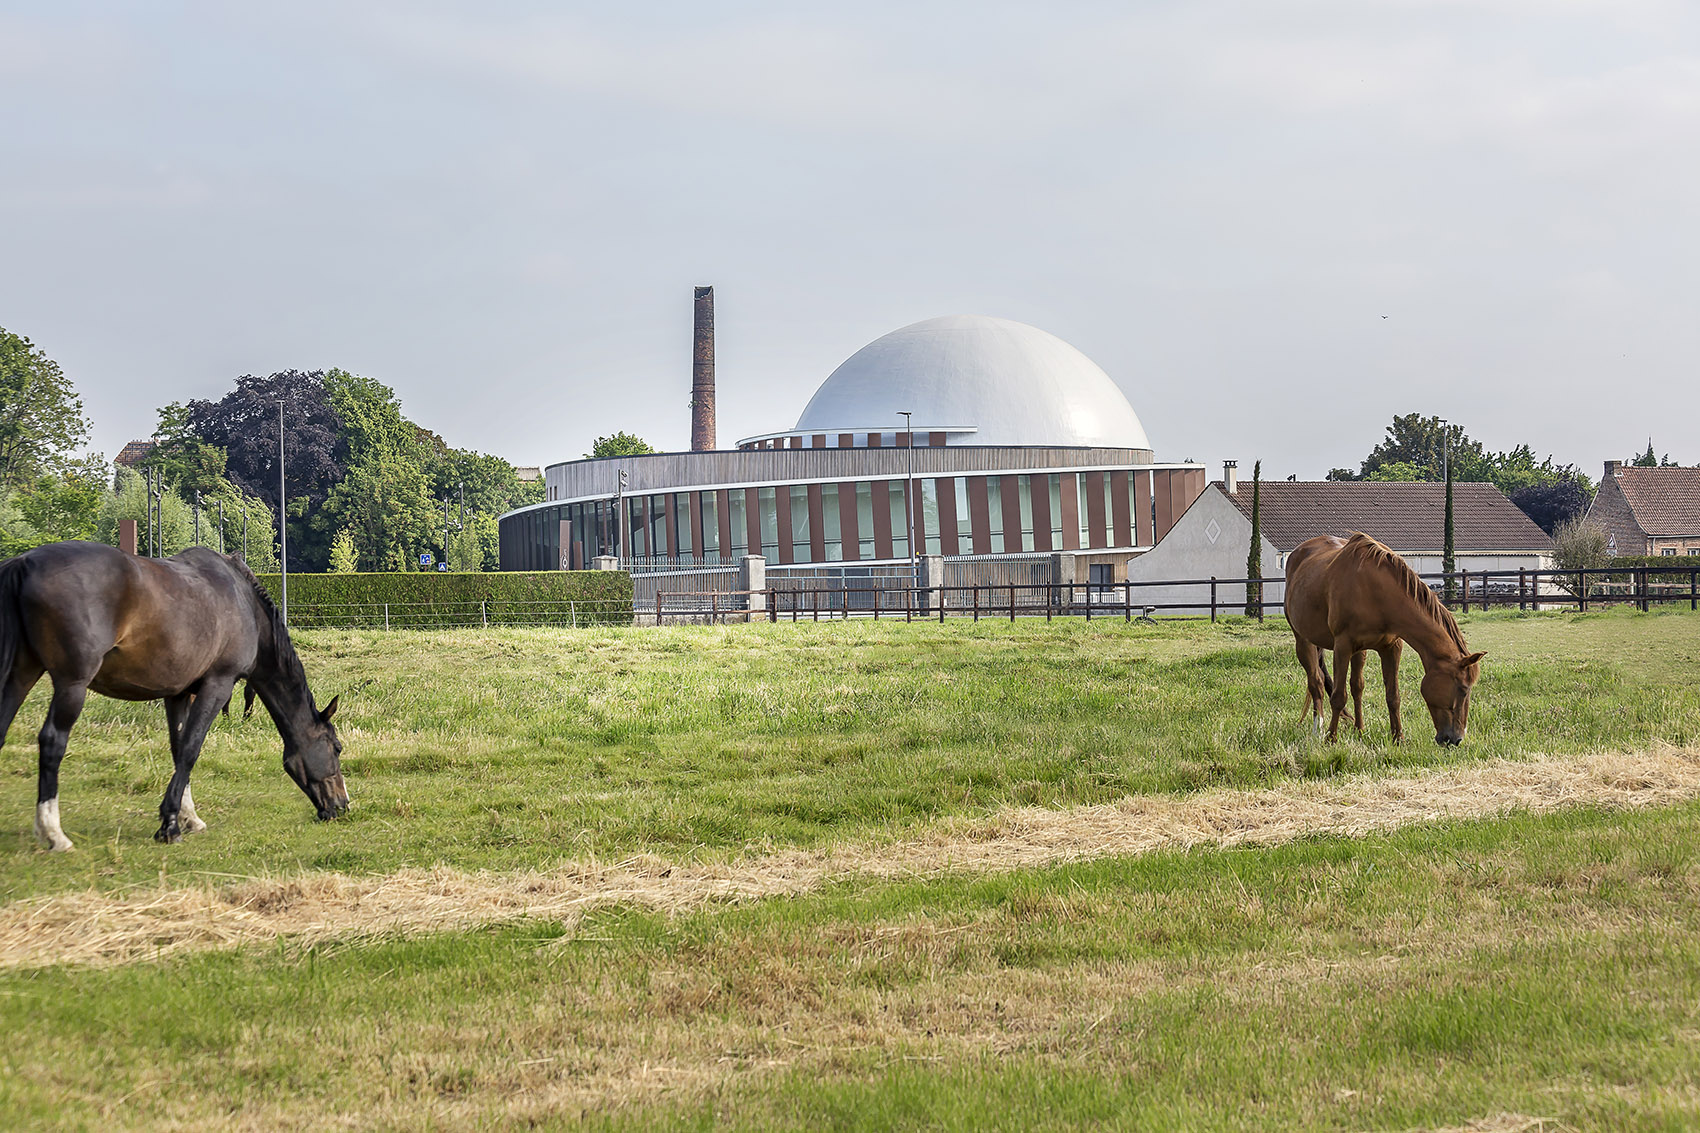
(424, 600)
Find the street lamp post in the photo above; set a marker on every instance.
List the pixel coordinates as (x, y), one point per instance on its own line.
(282, 518)
(909, 491)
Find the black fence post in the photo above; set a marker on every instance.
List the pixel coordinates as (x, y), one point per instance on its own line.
(1694, 590)
(1012, 605)
(1127, 601)
(1213, 599)
(1522, 588)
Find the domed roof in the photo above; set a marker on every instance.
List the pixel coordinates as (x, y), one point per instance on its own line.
(1010, 382)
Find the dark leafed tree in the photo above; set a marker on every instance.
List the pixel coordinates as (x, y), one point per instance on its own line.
(41, 416)
(1553, 503)
(244, 423)
(1254, 559)
(620, 444)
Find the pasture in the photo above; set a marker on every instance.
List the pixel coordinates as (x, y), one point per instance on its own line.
(720, 798)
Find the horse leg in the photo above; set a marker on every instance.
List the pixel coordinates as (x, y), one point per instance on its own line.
(1342, 679)
(62, 713)
(1390, 678)
(24, 675)
(198, 717)
(1358, 688)
(1316, 682)
(176, 709)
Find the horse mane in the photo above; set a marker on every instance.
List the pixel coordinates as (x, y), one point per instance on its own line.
(1369, 551)
(283, 660)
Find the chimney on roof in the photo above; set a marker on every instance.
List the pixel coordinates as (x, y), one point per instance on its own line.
(1231, 476)
(1611, 468)
(702, 373)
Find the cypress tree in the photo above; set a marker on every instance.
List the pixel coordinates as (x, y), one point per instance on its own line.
(1448, 560)
(1254, 558)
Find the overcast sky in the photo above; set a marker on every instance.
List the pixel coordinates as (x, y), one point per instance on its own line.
(1276, 224)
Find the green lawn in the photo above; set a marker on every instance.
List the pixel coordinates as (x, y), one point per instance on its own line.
(515, 748)
(1548, 967)
(1442, 974)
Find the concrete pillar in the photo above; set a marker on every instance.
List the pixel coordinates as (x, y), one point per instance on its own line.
(752, 577)
(929, 577)
(127, 536)
(605, 562)
(1062, 577)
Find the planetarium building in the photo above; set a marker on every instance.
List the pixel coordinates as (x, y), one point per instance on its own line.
(1015, 444)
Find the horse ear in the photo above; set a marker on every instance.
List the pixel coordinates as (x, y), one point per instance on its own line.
(329, 710)
(1473, 659)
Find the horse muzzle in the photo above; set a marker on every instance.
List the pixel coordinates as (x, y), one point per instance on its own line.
(332, 798)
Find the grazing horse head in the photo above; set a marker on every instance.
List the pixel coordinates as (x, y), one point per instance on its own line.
(1446, 690)
(313, 758)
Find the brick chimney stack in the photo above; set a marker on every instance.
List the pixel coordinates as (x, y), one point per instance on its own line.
(1611, 468)
(702, 373)
(1231, 476)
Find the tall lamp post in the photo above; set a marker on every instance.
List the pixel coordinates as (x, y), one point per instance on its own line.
(909, 491)
(282, 518)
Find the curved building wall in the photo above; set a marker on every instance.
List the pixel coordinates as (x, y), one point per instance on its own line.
(847, 505)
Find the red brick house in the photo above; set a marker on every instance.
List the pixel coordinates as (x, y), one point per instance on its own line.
(1649, 511)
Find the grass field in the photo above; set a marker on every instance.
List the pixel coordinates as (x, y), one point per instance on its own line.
(1440, 974)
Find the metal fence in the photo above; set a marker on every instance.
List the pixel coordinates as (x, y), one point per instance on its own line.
(1641, 587)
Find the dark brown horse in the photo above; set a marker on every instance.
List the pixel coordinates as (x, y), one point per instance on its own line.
(183, 630)
(1353, 595)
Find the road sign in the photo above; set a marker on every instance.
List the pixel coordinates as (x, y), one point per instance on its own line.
(427, 559)
(442, 566)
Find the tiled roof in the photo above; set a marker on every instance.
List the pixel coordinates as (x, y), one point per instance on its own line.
(133, 453)
(1665, 501)
(1406, 517)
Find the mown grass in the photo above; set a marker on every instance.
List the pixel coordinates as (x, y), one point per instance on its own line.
(513, 748)
(1545, 966)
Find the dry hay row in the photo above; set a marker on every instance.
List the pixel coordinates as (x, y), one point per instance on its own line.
(101, 928)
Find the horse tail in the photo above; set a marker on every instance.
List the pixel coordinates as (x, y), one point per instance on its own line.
(11, 613)
(1327, 681)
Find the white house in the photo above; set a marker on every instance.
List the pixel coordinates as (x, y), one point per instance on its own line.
(1213, 537)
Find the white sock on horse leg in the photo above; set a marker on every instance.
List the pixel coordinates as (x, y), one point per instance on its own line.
(187, 819)
(47, 825)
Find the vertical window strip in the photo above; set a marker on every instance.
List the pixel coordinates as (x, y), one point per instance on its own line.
(899, 519)
(1024, 505)
(800, 536)
(964, 518)
(994, 509)
(931, 530)
(831, 521)
(865, 519)
(738, 538)
(768, 521)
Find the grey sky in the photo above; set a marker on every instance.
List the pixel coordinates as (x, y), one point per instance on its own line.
(500, 210)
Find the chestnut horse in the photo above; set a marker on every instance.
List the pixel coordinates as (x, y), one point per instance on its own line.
(183, 630)
(1353, 595)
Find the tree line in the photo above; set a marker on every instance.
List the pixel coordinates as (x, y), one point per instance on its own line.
(1418, 448)
(367, 489)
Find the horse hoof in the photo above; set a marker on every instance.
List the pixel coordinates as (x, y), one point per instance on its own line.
(164, 834)
(195, 826)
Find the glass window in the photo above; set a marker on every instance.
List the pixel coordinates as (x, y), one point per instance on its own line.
(768, 519)
(865, 519)
(682, 509)
(658, 526)
(633, 523)
(1079, 490)
(1024, 503)
(1109, 510)
(994, 509)
(800, 548)
(833, 523)
(899, 519)
(964, 518)
(739, 536)
(710, 526)
(929, 521)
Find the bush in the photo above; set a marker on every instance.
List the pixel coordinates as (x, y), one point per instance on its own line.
(418, 600)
